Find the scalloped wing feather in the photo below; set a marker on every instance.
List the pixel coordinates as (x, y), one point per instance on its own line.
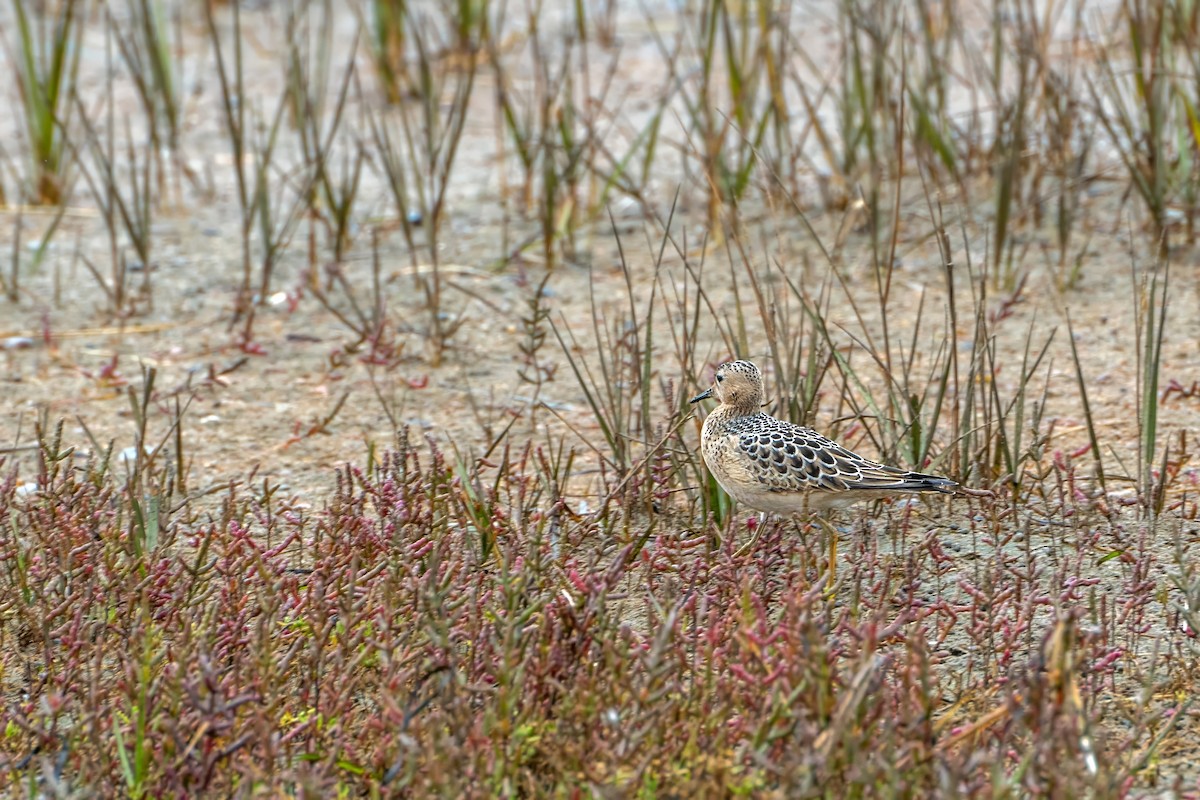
(790, 458)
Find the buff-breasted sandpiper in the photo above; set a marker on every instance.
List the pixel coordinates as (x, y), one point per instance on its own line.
(777, 467)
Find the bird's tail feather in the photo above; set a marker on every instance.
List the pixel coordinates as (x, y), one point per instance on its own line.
(900, 481)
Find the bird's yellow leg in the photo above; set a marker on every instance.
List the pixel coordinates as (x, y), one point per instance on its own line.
(832, 533)
(748, 546)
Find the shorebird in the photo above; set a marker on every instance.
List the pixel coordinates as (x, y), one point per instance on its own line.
(775, 466)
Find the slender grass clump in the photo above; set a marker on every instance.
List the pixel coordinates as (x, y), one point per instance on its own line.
(45, 60)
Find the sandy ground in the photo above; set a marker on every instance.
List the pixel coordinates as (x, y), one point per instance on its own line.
(68, 356)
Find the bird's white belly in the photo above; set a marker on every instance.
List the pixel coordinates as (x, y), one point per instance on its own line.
(735, 476)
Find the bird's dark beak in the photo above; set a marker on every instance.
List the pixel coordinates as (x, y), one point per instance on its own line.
(707, 393)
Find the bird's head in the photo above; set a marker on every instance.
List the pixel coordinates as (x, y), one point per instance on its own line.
(738, 384)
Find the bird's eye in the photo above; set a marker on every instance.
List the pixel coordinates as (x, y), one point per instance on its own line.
(720, 378)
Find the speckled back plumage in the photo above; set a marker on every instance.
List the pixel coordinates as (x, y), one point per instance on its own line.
(773, 465)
